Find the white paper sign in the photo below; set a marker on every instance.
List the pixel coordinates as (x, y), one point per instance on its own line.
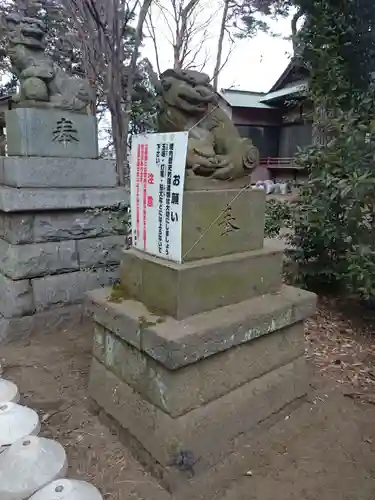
(157, 174)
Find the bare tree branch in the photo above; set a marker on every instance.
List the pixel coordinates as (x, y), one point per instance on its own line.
(230, 51)
(187, 22)
(133, 64)
(151, 30)
(220, 44)
(100, 26)
(165, 13)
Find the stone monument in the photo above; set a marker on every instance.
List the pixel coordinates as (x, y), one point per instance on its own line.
(189, 359)
(52, 250)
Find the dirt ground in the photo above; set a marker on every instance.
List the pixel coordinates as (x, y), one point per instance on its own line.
(324, 450)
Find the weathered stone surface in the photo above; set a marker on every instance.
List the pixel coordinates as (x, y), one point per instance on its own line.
(240, 228)
(74, 225)
(51, 133)
(124, 319)
(199, 286)
(179, 343)
(16, 297)
(42, 83)
(15, 328)
(209, 431)
(12, 329)
(58, 225)
(100, 251)
(57, 172)
(16, 228)
(129, 363)
(68, 288)
(39, 259)
(37, 199)
(98, 348)
(179, 391)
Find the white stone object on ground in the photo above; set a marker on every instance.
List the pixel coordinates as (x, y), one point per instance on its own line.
(284, 188)
(16, 422)
(28, 465)
(68, 489)
(8, 391)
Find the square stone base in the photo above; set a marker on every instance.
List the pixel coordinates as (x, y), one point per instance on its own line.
(203, 285)
(177, 392)
(187, 391)
(185, 448)
(175, 344)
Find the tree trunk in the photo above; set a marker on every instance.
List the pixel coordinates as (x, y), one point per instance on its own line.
(176, 57)
(296, 42)
(220, 45)
(181, 18)
(126, 116)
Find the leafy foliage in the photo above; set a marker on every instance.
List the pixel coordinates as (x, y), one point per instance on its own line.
(248, 17)
(278, 216)
(333, 227)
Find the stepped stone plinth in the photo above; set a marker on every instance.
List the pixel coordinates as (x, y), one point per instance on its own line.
(189, 359)
(56, 242)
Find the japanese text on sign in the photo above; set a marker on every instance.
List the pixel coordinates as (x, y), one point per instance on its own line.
(157, 183)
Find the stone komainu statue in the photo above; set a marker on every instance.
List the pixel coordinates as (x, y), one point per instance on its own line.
(42, 83)
(188, 102)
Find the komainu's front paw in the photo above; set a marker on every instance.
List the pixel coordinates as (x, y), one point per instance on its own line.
(228, 173)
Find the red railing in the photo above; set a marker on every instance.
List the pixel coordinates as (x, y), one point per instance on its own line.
(276, 166)
(278, 162)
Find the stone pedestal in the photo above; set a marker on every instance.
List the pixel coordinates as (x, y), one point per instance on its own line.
(51, 133)
(190, 358)
(54, 244)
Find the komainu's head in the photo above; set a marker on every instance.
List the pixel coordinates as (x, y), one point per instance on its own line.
(27, 31)
(189, 91)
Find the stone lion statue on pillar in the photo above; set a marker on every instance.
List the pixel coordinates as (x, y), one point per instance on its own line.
(187, 101)
(42, 83)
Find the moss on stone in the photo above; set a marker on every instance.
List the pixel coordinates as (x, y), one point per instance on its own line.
(145, 323)
(118, 293)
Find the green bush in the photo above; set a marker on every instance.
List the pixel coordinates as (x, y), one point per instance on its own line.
(332, 240)
(333, 223)
(277, 217)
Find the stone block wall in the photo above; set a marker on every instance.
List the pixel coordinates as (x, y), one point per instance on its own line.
(52, 258)
(56, 242)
